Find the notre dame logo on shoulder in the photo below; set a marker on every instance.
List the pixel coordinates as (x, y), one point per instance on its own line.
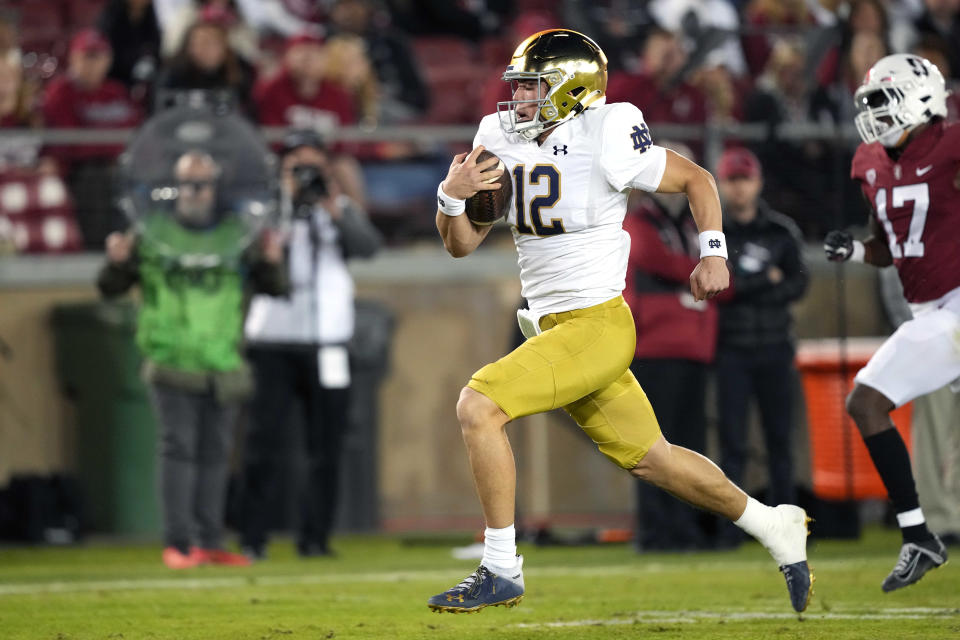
(641, 137)
(714, 244)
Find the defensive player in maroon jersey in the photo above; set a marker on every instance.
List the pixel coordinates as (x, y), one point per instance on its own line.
(908, 168)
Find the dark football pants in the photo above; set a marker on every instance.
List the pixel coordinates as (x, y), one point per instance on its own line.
(676, 389)
(195, 441)
(767, 374)
(287, 378)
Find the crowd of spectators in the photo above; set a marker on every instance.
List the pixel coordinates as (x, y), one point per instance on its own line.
(326, 64)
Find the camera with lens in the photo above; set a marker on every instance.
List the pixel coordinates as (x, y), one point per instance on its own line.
(309, 185)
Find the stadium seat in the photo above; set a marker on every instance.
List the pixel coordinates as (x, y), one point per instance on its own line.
(37, 213)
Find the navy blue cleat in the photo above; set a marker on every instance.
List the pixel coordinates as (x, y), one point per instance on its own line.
(480, 589)
(799, 584)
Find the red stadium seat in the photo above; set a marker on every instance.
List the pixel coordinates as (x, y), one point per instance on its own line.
(454, 72)
(37, 214)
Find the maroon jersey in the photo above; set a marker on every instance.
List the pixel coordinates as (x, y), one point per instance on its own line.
(67, 105)
(279, 104)
(918, 207)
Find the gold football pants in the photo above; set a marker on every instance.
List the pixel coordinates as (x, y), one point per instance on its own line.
(581, 363)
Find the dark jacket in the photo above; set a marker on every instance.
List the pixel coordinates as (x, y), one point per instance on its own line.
(758, 313)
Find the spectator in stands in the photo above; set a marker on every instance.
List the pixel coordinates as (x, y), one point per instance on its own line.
(769, 14)
(793, 170)
(863, 17)
(708, 29)
(190, 330)
(942, 18)
(934, 49)
(42, 220)
(298, 349)
(676, 341)
(9, 42)
(755, 345)
(131, 27)
(615, 25)
(833, 104)
(300, 95)
(282, 17)
(657, 89)
(403, 93)
(494, 88)
(206, 63)
(347, 65)
(84, 98)
(722, 92)
(177, 16)
(17, 109)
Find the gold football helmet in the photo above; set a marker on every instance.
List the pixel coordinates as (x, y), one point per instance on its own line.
(574, 69)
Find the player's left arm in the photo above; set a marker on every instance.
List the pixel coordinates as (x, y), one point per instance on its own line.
(711, 275)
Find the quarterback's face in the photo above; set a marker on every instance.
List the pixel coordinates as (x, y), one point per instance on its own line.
(529, 93)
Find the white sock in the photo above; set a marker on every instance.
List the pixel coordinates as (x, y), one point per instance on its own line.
(499, 548)
(910, 518)
(755, 518)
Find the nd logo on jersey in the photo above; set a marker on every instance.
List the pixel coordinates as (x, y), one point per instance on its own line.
(641, 137)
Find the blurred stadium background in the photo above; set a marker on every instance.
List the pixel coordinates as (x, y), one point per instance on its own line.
(413, 78)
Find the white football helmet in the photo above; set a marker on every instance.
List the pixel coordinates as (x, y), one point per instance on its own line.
(898, 94)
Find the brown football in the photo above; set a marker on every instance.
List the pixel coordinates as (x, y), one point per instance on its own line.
(486, 207)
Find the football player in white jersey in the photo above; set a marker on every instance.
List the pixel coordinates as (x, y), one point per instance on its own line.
(573, 160)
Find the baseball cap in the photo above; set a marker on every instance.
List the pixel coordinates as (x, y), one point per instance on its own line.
(738, 163)
(90, 40)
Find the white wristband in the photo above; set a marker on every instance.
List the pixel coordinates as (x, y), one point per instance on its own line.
(713, 243)
(858, 253)
(449, 206)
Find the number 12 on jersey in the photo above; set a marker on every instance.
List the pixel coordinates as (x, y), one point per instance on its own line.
(540, 202)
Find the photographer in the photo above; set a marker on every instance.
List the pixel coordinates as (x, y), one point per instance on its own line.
(298, 348)
(194, 268)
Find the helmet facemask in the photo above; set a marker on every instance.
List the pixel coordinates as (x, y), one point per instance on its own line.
(565, 98)
(881, 117)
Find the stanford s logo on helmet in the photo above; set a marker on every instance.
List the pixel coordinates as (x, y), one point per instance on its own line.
(574, 69)
(898, 94)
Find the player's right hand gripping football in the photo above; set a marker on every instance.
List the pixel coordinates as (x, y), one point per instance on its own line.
(838, 246)
(465, 177)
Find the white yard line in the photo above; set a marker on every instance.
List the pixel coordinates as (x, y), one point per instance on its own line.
(687, 617)
(194, 581)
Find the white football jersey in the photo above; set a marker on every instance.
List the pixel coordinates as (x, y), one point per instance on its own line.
(570, 198)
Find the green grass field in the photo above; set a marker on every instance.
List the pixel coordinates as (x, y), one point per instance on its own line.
(377, 588)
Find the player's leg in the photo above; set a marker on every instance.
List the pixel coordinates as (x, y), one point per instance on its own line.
(621, 421)
(918, 358)
(582, 351)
